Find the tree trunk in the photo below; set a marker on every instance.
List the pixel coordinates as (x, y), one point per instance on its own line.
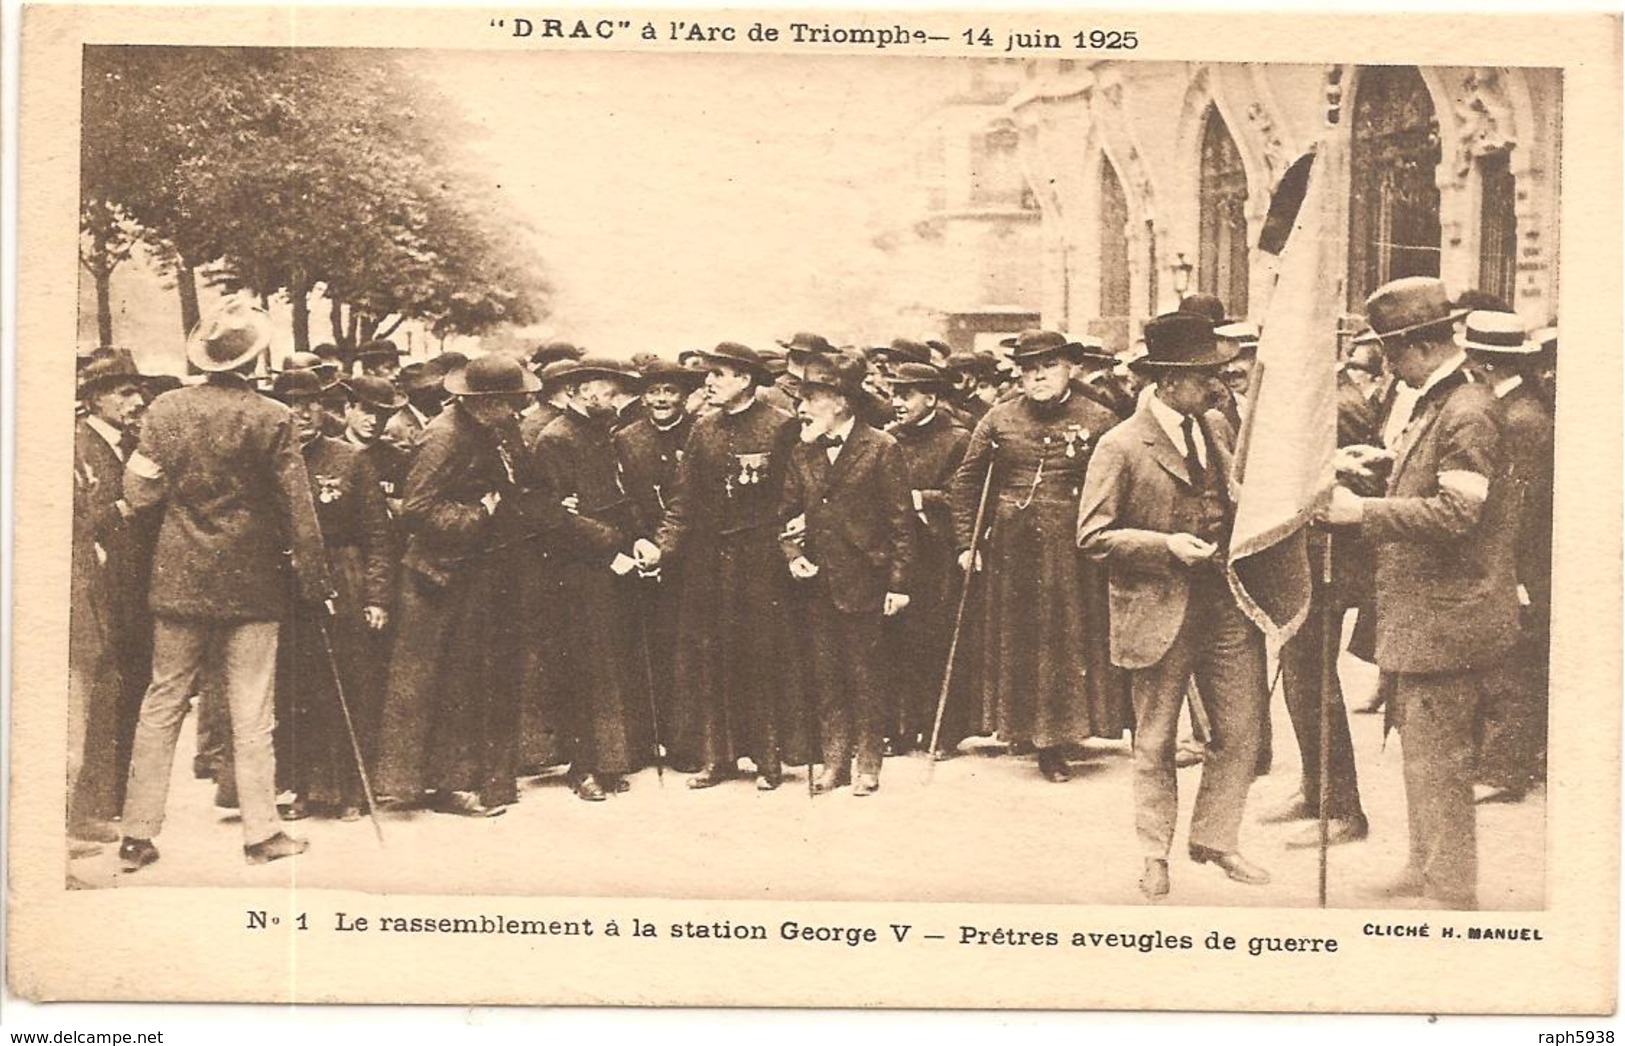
(391, 329)
(299, 296)
(104, 304)
(335, 317)
(186, 283)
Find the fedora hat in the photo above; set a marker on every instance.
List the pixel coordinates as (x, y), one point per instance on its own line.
(300, 383)
(555, 350)
(379, 348)
(1492, 333)
(902, 350)
(665, 372)
(805, 343)
(234, 334)
(375, 393)
(842, 371)
(776, 362)
(1032, 345)
(744, 357)
(554, 373)
(590, 367)
(975, 364)
(106, 367)
(1091, 349)
(1181, 341)
(493, 375)
(1407, 306)
(922, 376)
(417, 377)
(323, 369)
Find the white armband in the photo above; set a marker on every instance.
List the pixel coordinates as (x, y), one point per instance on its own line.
(1465, 484)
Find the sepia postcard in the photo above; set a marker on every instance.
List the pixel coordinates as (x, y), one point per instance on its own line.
(948, 509)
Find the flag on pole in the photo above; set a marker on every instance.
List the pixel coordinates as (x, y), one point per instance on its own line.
(1284, 452)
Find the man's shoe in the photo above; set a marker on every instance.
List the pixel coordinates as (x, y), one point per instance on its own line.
(769, 782)
(829, 779)
(275, 848)
(466, 804)
(297, 810)
(92, 830)
(588, 789)
(713, 775)
(1189, 753)
(350, 813)
(1297, 808)
(1154, 881)
(1052, 764)
(1339, 830)
(1233, 864)
(866, 784)
(615, 784)
(136, 854)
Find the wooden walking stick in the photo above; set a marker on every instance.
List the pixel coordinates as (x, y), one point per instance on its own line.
(349, 726)
(959, 614)
(1330, 621)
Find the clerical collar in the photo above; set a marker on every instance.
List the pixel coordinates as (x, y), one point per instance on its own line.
(746, 404)
(928, 419)
(666, 428)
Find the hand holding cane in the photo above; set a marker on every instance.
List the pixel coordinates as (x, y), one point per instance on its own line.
(973, 562)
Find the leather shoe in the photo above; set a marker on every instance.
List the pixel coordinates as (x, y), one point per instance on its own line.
(866, 784)
(713, 775)
(350, 813)
(1296, 808)
(587, 788)
(275, 848)
(1233, 864)
(465, 804)
(136, 854)
(1052, 764)
(615, 784)
(1339, 830)
(1154, 881)
(297, 810)
(829, 779)
(769, 782)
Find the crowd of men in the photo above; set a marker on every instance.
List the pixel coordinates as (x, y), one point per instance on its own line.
(414, 586)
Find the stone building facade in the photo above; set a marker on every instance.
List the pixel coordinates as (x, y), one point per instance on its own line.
(1155, 178)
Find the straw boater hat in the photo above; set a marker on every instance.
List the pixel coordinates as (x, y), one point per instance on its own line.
(493, 375)
(1402, 308)
(1244, 334)
(1181, 341)
(234, 335)
(1496, 334)
(743, 357)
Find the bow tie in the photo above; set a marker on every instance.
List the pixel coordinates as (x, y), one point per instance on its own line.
(828, 440)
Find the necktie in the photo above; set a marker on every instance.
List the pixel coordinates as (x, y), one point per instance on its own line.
(831, 441)
(127, 442)
(1193, 464)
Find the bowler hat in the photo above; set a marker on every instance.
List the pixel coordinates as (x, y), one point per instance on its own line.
(327, 372)
(775, 361)
(417, 377)
(301, 383)
(922, 376)
(734, 354)
(664, 372)
(492, 375)
(1410, 305)
(903, 350)
(380, 348)
(1496, 334)
(842, 371)
(976, 364)
(1207, 306)
(233, 335)
(1033, 345)
(376, 393)
(806, 343)
(1181, 341)
(107, 367)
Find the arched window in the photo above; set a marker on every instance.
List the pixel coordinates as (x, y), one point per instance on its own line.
(1497, 227)
(1115, 305)
(1394, 204)
(1222, 194)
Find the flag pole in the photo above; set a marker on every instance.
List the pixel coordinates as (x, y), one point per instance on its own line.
(1329, 637)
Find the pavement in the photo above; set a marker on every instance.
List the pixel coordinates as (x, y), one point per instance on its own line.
(971, 829)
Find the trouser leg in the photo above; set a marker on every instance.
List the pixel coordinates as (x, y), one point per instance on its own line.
(249, 657)
(1230, 670)
(1300, 681)
(867, 696)
(1158, 694)
(831, 679)
(1437, 739)
(177, 653)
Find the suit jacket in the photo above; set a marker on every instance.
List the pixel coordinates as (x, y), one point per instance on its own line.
(1131, 503)
(1446, 585)
(931, 455)
(1530, 465)
(649, 458)
(858, 511)
(235, 498)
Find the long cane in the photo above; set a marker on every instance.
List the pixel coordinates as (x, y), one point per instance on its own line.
(959, 616)
(349, 728)
(649, 682)
(1329, 622)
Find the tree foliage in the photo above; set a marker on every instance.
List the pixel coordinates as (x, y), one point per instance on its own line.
(287, 171)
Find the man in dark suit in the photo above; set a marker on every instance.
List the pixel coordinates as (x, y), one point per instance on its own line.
(1157, 509)
(225, 463)
(1512, 742)
(119, 551)
(846, 509)
(1447, 609)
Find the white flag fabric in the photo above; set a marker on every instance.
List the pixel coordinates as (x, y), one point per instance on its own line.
(1284, 452)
